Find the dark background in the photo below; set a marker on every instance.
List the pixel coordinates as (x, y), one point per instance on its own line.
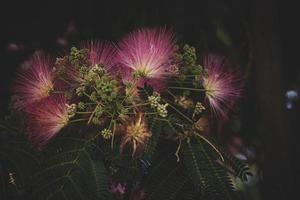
(262, 37)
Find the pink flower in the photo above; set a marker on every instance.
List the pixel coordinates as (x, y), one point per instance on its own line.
(136, 134)
(117, 189)
(33, 83)
(223, 85)
(101, 53)
(46, 118)
(72, 76)
(147, 54)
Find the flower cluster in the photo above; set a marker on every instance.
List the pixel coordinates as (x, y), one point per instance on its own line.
(118, 89)
(154, 101)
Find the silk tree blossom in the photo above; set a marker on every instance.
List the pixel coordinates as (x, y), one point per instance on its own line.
(132, 92)
(72, 76)
(136, 134)
(101, 53)
(147, 54)
(33, 83)
(222, 85)
(46, 118)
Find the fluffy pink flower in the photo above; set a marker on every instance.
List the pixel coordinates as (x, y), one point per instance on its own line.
(147, 54)
(101, 53)
(136, 134)
(33, 83)
(72, 76)
(222, 86)
(46, 118)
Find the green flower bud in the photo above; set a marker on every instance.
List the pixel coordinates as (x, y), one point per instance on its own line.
(106, 133)
(162, 110)
(71, 110)
(199, 108)
(93, 97)
(81, 106)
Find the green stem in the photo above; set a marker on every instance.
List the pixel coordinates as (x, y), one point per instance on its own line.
(141, 104)
(77, 120)
(179, 112)
(113, 134)
(180, 81)
(146, 113)
(91, 116)
(84, 112)
(91, 103)
(215, 148)
(171, 94)
(184, 88)
(86, 94)
(191, 75)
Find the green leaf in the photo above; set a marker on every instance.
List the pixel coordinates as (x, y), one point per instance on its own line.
(239, 168)
(158, 127)
(18, 161)
(208, 176)
(155, 126)
(167, 181)
(73, 171)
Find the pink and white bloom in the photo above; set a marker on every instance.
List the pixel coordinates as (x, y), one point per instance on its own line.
(101, 52)
(33, 83)
(136, 134)
(72, 76)
(223, 85)
(147, 54)
(46, 118)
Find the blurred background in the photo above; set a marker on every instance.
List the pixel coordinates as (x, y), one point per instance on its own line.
(260, 37)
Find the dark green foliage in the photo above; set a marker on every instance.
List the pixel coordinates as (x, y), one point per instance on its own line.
(145, 91)
(73, 171)
(239, 168)
(200, 173)
(167, 181)
(74, 168)
(210, 178)
(18, 161)
(159, 127)
(155, 126)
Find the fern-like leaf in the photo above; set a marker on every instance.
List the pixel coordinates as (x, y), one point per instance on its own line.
(159, 127)
(155, 126)
(232, 164)
(239, 168)
(208, 176)
(167, 181)
(72, 173)
(18, 162)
